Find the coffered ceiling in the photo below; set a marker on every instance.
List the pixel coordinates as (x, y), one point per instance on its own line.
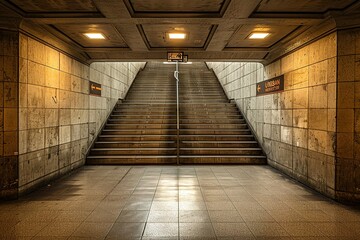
(215, 29)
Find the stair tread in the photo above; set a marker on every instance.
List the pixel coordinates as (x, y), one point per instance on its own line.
(138, 149)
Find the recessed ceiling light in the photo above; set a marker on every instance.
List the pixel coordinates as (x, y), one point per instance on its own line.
(95, 35)
(177, 35)
(258, 35)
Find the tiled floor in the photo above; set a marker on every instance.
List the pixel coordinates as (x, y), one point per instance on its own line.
(170, 202)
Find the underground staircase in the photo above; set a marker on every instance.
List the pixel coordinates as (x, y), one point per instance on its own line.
(142, 129)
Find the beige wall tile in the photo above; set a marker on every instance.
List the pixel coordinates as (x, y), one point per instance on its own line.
(23, 45)
(10, 143)
(52, 58)
(301, 57)
(346, 68)
(345, 145)
(286, 135)
(10, 119)
(52, 77)
(346, 94)
(51, 136)
(1, 119)
(36, 51)
(23, 96)
(36, 96)
(300, 98)
(300, 78)
(22, 143)
(332, 95)
(346, 42)
(23, 119)
(300, 137)
(318, 119)
(11, 94)
(36, 118)
(23, 70)
(51, 98)
(345, 120)
(318, 96)
(36, 73)
(318, 141)
(51, 117)
(65, 134)
(318, 73)
(65, 81)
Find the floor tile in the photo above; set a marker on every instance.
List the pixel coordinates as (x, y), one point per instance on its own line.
(196, 229)
(161, 230)
(163, 216)
(232, 230)
(126, 229)
(225, 216)
(186, 216)
(133, 216)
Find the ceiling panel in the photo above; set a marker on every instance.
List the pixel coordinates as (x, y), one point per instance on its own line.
(240, 38)
(305, 6)
(43, 6)
(176, 5)
(197, 35)
(76, 33)
(176, 8)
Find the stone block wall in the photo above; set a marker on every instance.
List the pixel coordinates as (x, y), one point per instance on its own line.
(58, 119)
(8, 114)
(348, 115)
(297, 126)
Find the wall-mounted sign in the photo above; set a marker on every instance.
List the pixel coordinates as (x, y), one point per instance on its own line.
(175, 56)
(95, 89)
(273, 85)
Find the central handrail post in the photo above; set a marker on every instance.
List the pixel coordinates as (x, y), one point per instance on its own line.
(176, 75)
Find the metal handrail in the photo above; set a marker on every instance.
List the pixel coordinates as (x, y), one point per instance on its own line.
(176, 76)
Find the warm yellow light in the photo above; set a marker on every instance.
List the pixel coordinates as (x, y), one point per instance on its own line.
(94, 35)
(177, 35)
(258, 35)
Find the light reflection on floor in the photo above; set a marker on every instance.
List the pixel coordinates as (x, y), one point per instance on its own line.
(177, 202)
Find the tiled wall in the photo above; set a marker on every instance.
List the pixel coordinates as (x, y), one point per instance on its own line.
(348, 115)
(296, 127)
(57, 117)
(8, 113)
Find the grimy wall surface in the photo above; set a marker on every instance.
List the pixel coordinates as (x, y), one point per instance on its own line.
(50, 112)
(297, 126)
(9, 48)
(348, 115)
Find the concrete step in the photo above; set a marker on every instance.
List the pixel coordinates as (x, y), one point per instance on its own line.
(219, 144)
(220, 151)
(135, 144)
(131, 160)
(209, 159)
(132, 151)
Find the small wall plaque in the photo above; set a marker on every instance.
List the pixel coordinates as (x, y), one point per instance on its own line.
(95, 89)
(270, 86)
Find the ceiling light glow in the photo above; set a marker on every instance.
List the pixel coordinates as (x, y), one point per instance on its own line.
(258, 35)
(177, 35)
(95, 35)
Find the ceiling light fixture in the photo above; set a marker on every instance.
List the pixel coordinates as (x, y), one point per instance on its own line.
(177, 35)
(95, 35)
(258, 35)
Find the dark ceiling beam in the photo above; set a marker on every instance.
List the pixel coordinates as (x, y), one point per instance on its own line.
(112, 8)
(274, 21)
(132, 37)
(241, 8)
(161, 56)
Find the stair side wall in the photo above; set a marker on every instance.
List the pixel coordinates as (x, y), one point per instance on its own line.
(296, 127)
(58, 117)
